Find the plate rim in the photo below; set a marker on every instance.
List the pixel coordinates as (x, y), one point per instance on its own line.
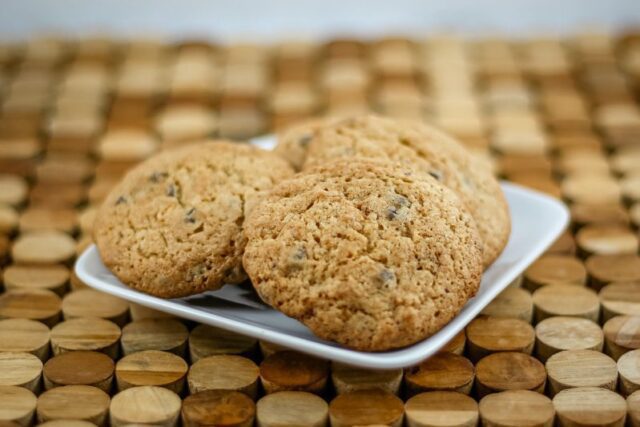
(392, 359)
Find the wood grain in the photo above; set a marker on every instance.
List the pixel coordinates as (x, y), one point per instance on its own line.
(291, 409)
(589, 406)
(24, 335)
(509, 371)
(79, 402)
(218, 408)
(17, 405)
(79, 368)
(516, 408)
(581, 368)
(293, 371)
(224, 372)
(366, 407)
(145, 405)
(567, 333)
(151, 367)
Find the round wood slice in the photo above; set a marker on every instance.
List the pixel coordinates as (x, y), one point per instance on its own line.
(67, 423)
(621, 334)
(486, 335)
(365, 408)
(268, 348)
(581, 368)
(293, 371)
(86, 333)
(633, 404)
(291, 409)
(13, 190)
(219, 408)
(43, 219)
(205, 340)
(589, 406)
(629, 370)
(456, 345)
(350, 378)
(566, 300)
(441, 372)
(516, 408)
(511, 303)
(43, 247)
(441, 408)
(89, 302)
(34, 304)
(79, 368)
(591, 189)
(17, 405)
(224, 372)
(620, 299)
(606, 240)
(152, 367)
(565, 244)
(79, 402)
(20, 369)
(634, 214)
(604, 269)
(509, 371)
(140, 312)
(155, 334)
(157, 406)
(8, 219)
(585, 214)
(556, 334)
(555, 269)
(24, 335)
(50, 277)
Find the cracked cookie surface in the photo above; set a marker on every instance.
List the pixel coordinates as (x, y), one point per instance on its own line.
(173, 226)
(428, 151)
(364, 253)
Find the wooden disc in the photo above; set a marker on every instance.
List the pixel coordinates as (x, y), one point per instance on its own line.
(349, 378)
(24, 335)
(50, 277)
(486, 335)
(581, 368)
(79, 368)
(78, 402)
(366, 407)
(511, 303)
(565, 244)
(621, 334)
(590, 406)
(604, 269)
(293, 371)
(219, 408)
(145, 405)
(634, 214)
(291, 409)
(43, 247)
(86, 333)
(442, 409)
(606, 240)
(13, 190)
(224, 372)
(20, 369)
(89, 302)
(8, 220)
(619, 299)
(556, 334)
(566, 300)
(34, 304)
(17, 405)
(140, 312)
(633, 404)
(67, 423)
(456, 345)
(205, 340)
(516, 408)
(630, 185)
(509, 371)
(155, 334)
(555, 269)
(629, 370)
(43, 219)
(591, 189)
(152, 367)
(268, 348)
(608, 213)
(441, 372)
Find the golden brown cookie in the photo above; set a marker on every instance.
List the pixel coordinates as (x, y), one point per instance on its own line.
(428, 151)
(293, 142)
(172, 226)
(364, 253)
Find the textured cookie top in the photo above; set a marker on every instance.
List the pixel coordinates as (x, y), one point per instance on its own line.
(293, 142)
(172, 226)
(364, 253)
(429, 151)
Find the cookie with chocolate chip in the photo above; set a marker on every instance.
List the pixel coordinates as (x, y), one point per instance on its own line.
(365, 253)
(428, 151)
(294, 141)
(172, 226)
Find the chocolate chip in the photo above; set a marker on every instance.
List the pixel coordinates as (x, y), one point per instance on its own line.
(158, 176)
(190, 216)
(436, 174)
(299, 254)
(387, 278)
(401, 200)
(171, 190)
(398, 202)
(392, 212)
(121, 200)
(305, 140)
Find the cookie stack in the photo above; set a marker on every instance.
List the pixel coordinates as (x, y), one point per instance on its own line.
(376, 243)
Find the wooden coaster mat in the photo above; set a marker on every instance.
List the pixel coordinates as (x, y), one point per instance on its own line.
(561, 344)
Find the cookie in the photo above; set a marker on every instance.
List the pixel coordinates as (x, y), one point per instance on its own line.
(364, 253)
(428, 151)
(293, 142)
(172, 226)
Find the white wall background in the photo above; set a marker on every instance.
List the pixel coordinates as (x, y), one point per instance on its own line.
(275, 19)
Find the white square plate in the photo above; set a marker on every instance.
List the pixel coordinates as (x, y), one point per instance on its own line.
(537, 220)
